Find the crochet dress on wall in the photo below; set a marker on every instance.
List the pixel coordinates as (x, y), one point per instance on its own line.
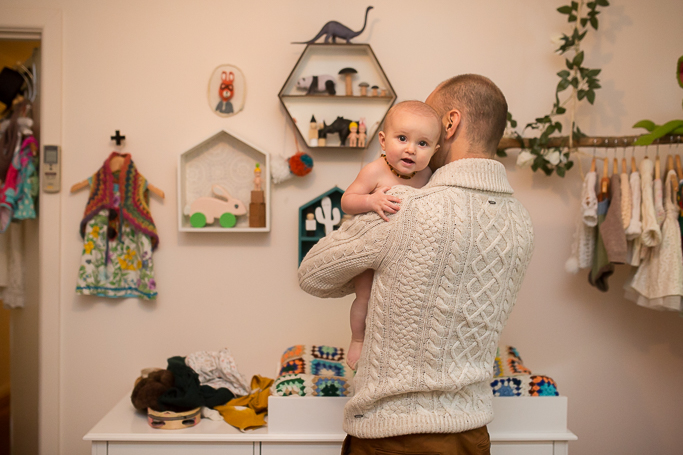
(119, 235)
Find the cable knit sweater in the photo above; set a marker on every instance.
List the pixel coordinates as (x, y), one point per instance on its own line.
(448, 267)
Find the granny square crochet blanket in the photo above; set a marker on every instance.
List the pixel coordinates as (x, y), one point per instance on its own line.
(320, 370)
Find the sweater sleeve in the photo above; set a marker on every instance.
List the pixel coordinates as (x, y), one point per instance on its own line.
(360, 244)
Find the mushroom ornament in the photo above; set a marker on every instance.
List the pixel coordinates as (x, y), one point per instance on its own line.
(348, 76)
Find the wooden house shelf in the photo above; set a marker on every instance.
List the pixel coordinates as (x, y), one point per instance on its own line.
(228, 161)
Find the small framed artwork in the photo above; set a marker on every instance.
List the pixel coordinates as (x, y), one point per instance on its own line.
(227, 90)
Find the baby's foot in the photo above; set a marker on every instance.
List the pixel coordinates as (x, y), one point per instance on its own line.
(355, 349)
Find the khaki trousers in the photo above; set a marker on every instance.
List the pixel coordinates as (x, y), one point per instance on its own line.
(471, 442)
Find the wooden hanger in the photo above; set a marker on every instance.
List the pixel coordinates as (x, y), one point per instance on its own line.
(679, 169)
(604, 182)
(634, 168)
(615, 166)
(658, 173)
(115, 165)
(85, 183)
(669, 168)
(593, 165)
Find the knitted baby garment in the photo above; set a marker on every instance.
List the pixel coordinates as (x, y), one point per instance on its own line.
(635, 227)
(658, 282)
(602, 268)
(626, 200)
(448, 267)
(584, 235)
(119, 235)
(660, 213)
(612, 230)
(651, 235)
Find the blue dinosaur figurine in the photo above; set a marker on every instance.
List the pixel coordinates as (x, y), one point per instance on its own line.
(333, 30)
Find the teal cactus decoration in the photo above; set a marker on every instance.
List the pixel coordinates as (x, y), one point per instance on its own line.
(327, 215)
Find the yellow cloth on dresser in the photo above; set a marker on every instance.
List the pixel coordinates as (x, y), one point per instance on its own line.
(248, 412)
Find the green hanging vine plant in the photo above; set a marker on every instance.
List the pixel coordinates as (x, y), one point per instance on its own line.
(583, 81)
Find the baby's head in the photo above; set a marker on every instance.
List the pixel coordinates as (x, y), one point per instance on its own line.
(411, 136)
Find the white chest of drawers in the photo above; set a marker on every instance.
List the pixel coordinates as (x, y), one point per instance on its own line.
(523, 426)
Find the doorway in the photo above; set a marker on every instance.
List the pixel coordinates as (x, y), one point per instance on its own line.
(19, 327)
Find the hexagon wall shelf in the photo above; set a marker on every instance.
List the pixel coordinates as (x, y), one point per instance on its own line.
(329, 59)
(228, 161)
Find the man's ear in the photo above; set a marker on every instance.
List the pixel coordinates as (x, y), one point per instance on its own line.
(451, 121)
(382, 138)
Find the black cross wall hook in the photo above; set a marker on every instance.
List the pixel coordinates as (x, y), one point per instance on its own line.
(118, 138)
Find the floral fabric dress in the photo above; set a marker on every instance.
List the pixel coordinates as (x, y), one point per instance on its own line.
(116, 264)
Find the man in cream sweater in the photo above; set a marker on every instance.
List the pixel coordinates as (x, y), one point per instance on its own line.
(448, 267)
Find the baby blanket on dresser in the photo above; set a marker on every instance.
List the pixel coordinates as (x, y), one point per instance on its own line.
(313, 370)
(322, 371)
(512, 379)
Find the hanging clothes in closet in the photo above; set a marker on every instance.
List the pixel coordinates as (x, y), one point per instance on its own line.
(18, 179)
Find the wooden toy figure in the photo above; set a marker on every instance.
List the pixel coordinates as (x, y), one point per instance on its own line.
(383, 92)
(322, 136)
(361, 133)
(364, 88)
(313, 133)
(311, 224)
(257, 207)
(257, 177)
(353, 135)
(374, 90)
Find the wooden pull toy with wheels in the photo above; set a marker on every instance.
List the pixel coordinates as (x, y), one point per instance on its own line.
(205, 210)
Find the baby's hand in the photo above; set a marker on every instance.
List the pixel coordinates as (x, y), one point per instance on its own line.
(381, 202)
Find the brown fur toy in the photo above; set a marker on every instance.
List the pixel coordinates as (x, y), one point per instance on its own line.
(148, 389)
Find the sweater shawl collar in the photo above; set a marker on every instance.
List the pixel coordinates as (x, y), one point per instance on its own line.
(474, 173)
(134, 205)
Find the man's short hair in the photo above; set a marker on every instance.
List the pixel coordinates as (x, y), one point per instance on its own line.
(482, 104)
(414, 106)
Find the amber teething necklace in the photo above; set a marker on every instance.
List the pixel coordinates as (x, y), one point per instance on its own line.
(407, 177)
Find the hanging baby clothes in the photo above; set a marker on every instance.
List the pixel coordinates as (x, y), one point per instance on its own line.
(658, 282)
(626, 199)
(584, 236)
(652, 234)
(602, 268)
(119, 235)
(13, 296)
(660, 212)
(612, 230)
(634, 228)
(21, 185)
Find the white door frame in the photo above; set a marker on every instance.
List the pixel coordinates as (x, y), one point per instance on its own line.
(47, 22)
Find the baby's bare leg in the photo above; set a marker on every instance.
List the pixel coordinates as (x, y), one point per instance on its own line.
(359, 310)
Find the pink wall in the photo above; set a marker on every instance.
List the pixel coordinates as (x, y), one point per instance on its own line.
(143, 68)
